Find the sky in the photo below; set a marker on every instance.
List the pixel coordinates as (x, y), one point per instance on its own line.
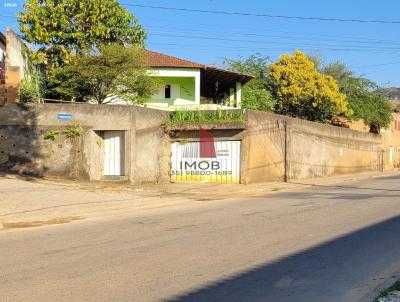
(369, 49)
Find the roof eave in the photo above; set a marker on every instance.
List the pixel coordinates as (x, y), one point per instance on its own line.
(241, 77)
(173, 67)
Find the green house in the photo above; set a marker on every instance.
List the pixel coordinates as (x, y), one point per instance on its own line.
(188, 84)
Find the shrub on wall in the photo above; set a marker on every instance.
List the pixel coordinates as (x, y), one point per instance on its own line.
(33, 84)
(28, 91)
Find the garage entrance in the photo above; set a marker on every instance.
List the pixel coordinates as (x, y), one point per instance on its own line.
(217, 161)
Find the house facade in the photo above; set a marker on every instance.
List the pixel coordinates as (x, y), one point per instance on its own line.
(2, 57)
(392, 94)
(13, 64)
(391, 143)
(186, 84)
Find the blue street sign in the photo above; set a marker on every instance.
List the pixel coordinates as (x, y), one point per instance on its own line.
(64, 116)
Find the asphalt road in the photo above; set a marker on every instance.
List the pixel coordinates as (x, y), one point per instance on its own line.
(328, 243)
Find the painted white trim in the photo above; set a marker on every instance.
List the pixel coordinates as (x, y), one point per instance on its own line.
(179, 72)
(231, 97)
(182, 72)
(167, 102)
(197, 88)
(238, 95)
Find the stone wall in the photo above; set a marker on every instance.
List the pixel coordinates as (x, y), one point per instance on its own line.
(277, 146)
(24, 150)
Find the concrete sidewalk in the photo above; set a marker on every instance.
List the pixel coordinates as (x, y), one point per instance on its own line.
(36, 202)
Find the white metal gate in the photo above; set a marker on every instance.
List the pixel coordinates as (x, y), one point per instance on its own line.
(188, 164)
(114, 153)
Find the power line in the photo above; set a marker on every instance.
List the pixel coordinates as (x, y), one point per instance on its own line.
(274, 39)
(376, 21)
(252, 29)
(283, 47)
(291, 38)
(11, 17)
(269, 36)
(354, 47)
(268, 51)
(261, 15)
(378, 65)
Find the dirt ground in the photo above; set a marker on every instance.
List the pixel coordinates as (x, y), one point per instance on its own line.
(31, 202)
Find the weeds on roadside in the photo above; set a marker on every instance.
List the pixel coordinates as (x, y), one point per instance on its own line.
(385, 293)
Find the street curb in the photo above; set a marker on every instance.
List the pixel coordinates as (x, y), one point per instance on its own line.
(373, 294)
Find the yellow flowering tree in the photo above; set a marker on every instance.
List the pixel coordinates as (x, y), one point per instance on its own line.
(301, 91)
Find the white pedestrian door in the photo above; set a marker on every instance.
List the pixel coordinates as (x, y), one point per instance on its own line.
(113, 153)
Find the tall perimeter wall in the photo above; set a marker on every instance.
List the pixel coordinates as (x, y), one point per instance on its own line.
(277, 147)
(273, 148)
(24, 149)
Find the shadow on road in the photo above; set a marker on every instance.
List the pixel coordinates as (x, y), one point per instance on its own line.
(336, 271)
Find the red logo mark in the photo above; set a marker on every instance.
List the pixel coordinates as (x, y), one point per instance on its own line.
(207, 147)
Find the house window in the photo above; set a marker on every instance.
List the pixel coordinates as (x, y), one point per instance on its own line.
(167, 91)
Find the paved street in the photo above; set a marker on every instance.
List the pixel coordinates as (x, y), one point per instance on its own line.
(326, 243)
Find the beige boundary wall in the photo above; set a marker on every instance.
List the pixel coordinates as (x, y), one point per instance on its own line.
(274, 147)
(277, 147)
(391, 143)
(23, 149)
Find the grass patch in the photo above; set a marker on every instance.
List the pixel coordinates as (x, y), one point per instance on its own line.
(388, 291)
(185, 116)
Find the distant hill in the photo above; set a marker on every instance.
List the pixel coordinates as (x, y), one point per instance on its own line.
(392, 93)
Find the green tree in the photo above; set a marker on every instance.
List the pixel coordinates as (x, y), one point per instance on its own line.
(339, 71)
(65, 27)
(362, 95)
(33, 84)
(303, 92)
(255, 94)
(113, 72)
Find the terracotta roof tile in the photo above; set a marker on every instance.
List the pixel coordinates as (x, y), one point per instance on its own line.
(156, 59)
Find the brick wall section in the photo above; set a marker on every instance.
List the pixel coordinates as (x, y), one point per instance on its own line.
(2, 94)
(12, 85)
(10, 90)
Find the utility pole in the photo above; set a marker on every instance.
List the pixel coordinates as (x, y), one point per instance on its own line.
(286, 164)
